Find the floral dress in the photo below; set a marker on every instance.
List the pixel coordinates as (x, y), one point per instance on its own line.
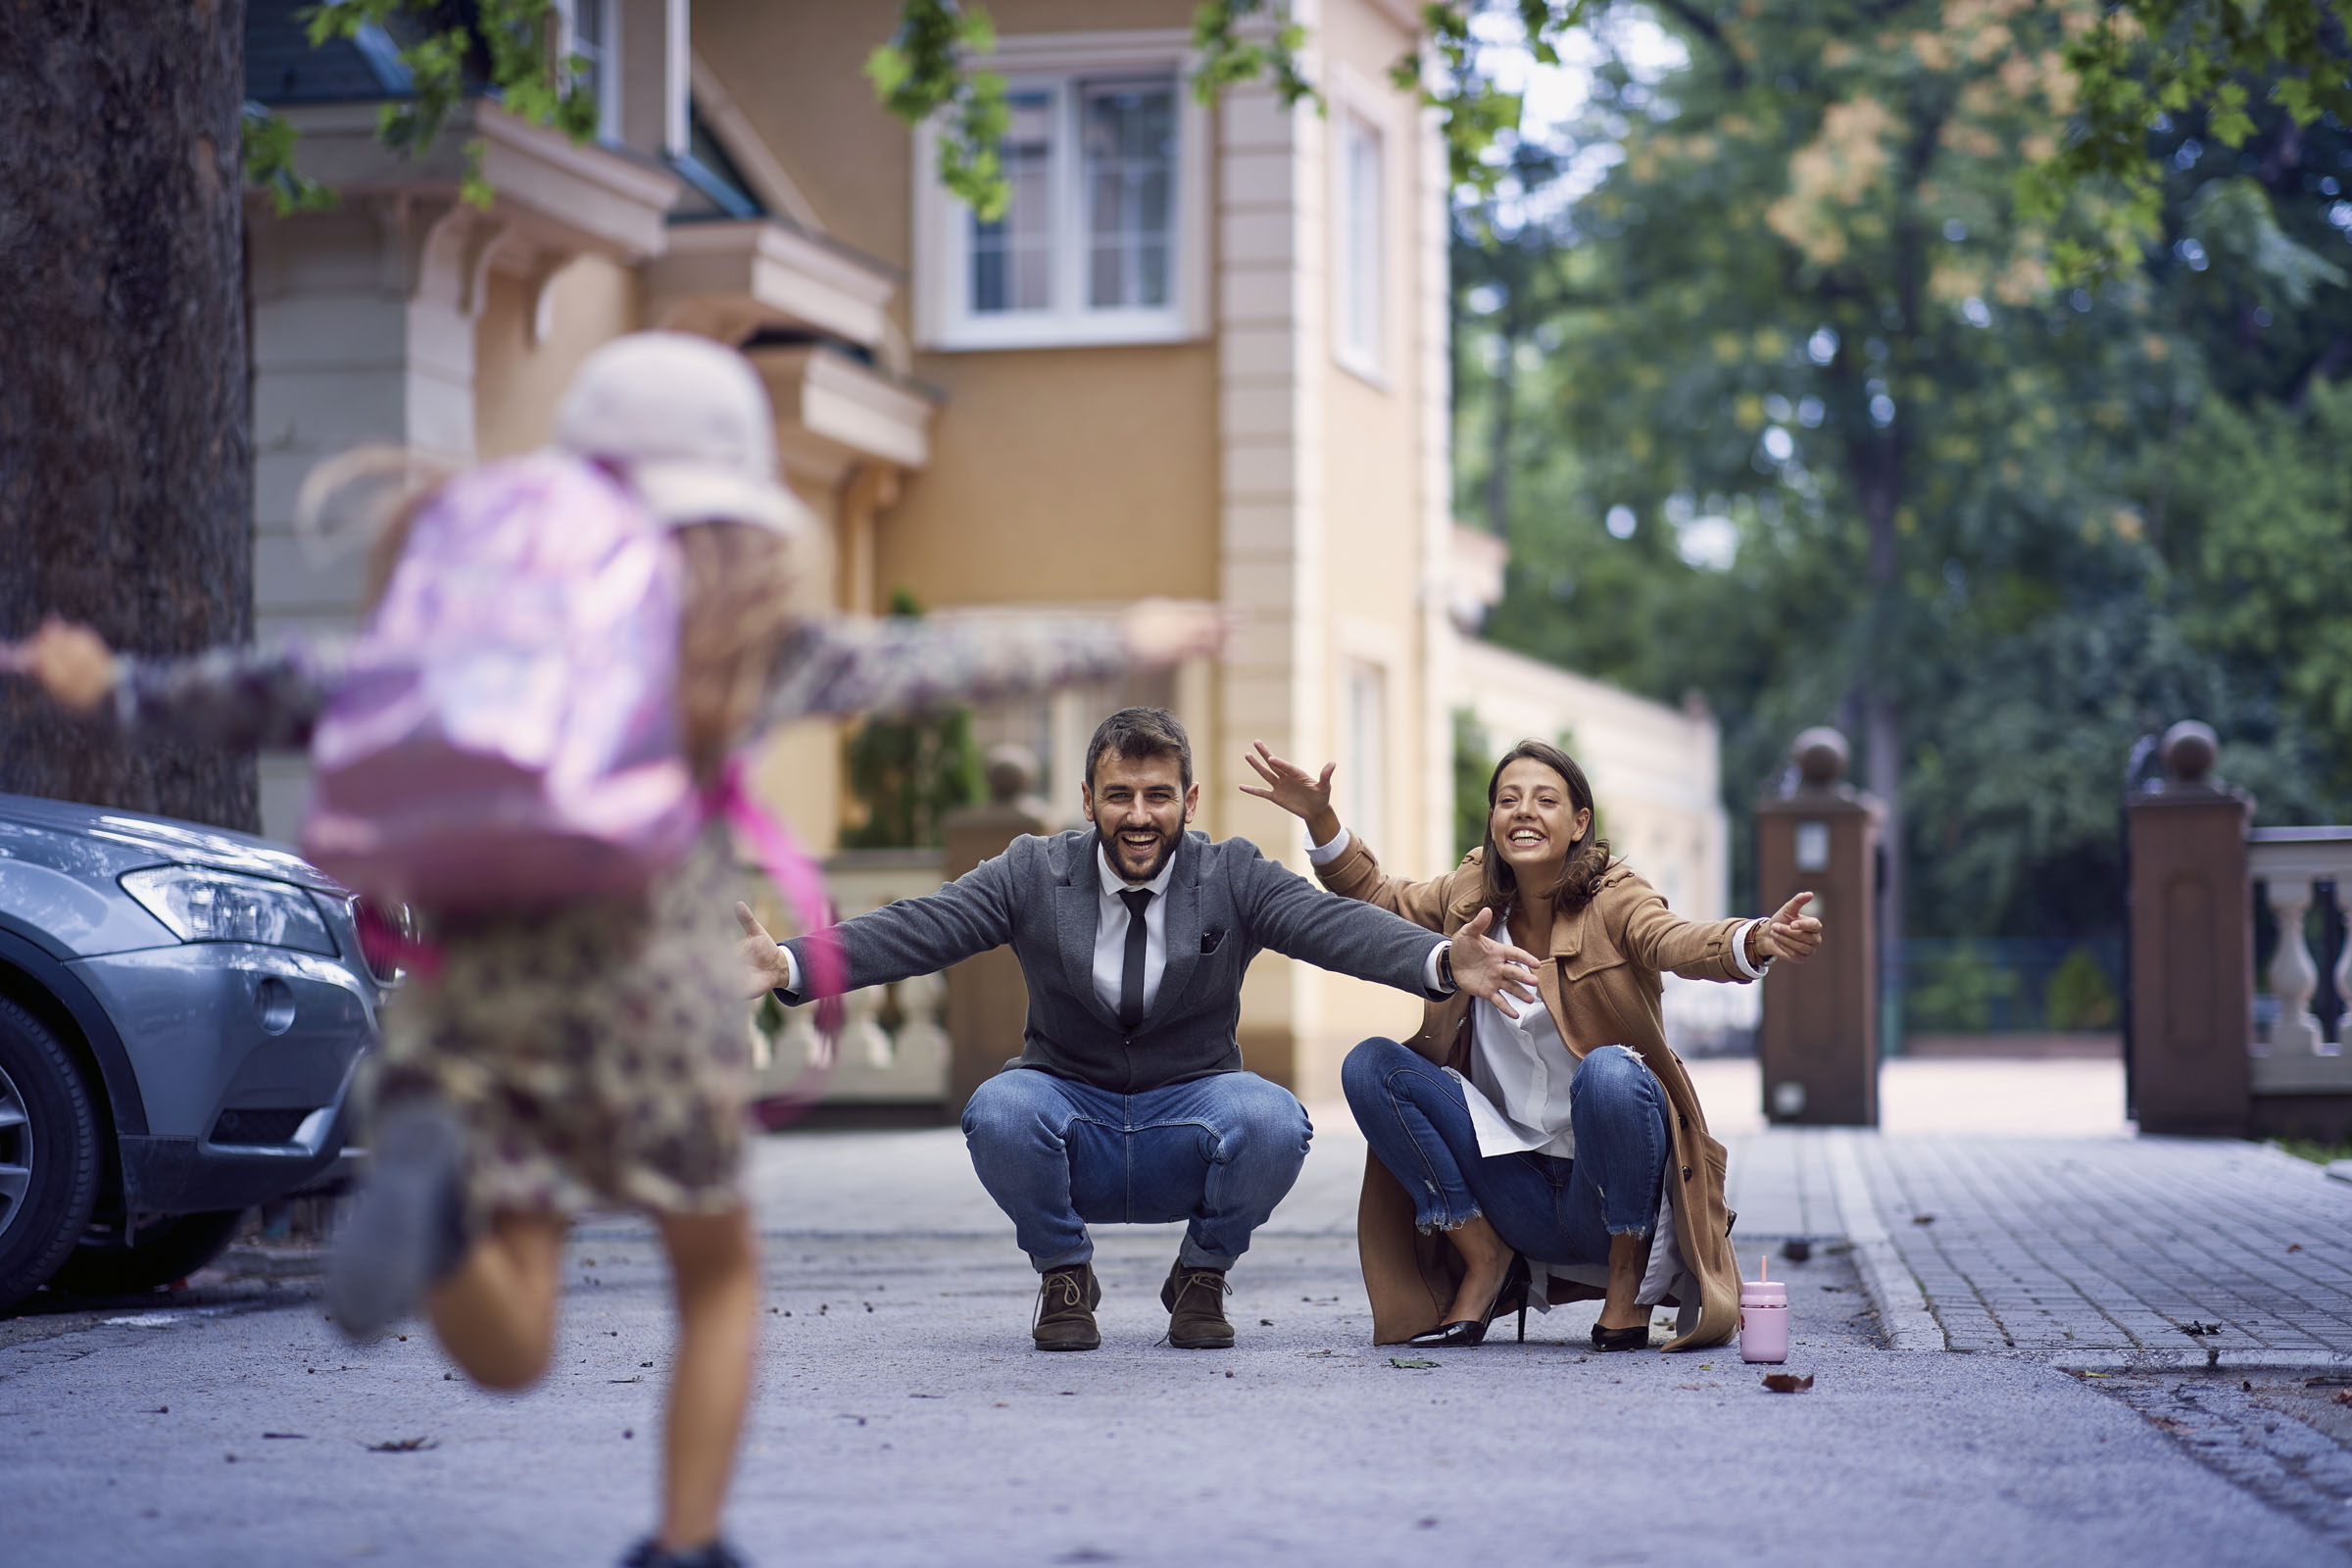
(597, 1052)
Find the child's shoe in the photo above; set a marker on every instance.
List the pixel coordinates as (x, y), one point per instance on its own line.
(407, 1227)
(650, 1553)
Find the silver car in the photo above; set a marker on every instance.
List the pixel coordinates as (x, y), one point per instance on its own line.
(182, 1013)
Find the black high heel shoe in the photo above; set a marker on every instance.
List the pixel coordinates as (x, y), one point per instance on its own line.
(1636, 1338)
(1470, 1331)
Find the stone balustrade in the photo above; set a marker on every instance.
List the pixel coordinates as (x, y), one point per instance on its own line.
(892, 1047)
(2290, 863)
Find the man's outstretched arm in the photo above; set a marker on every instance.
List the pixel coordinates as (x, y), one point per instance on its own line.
(913, 936)
(1297, 919)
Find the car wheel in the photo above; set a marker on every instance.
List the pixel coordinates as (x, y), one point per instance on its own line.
(168, 1249)
(49, 1154)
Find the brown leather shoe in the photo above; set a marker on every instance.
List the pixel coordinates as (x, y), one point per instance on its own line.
(1066, 1299)
(1195, 1301)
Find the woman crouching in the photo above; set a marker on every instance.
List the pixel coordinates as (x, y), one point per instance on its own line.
(1564, 1142)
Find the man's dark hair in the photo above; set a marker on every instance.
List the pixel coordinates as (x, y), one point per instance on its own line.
(1139, 734)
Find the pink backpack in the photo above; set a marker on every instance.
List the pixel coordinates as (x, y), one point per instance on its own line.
(506, 736)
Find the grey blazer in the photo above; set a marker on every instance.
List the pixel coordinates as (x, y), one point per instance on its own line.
(1226, 904)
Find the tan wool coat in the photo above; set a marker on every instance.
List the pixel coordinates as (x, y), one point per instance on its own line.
(1600, 983)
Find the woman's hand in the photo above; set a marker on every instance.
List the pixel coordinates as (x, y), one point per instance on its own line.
(1169, 631)
(72, 662)
(1494, 970)
(1791, 934)
(1288, 787)
(763, 967)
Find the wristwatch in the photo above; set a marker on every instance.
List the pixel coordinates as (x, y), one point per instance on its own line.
(1446, 968)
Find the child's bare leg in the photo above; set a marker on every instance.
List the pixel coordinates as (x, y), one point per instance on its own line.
(717, 1273)
(496, 1314)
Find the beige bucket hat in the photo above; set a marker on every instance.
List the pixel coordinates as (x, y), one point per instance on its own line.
(688, 423)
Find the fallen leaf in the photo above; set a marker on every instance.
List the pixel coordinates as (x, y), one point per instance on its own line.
(402, 1446)
(2343, 1398)
(2329, 1380)
(2194, 1326)
(1788, 1382)
(1409, 1366)
(1265, 1322)
(2295, 1247)
(624, 1380)
(286, 1436)
(1923, 1219)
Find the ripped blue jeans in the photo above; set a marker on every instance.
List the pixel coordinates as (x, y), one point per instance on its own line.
(1559, 1210)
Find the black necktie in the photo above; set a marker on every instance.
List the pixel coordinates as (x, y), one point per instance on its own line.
(1131, 977)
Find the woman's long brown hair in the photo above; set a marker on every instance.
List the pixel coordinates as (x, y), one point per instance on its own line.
(1587, 857)
(740, 601)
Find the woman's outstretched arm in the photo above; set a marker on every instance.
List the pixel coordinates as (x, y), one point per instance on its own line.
(1342, 860)
(902, 665)
(244, 698)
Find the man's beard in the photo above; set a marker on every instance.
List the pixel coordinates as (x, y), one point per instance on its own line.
(1118, 856)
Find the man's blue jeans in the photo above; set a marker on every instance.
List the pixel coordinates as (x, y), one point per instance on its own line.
(1556, 1210)
(1057, 1154)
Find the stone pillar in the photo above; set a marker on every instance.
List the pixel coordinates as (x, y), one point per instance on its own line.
(1819, 1043)
(2191, 946)
(988, 1000)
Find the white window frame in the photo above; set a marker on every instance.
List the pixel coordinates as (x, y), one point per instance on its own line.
(1061, 63)
(1358, 110)
(609, 63)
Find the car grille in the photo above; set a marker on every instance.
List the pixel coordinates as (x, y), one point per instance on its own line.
(258, 1126)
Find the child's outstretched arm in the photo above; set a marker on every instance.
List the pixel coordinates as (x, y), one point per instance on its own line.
(907, 664)
(242, 698)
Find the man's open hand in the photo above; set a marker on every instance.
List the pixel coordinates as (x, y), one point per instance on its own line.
(763, 960)
(1791, 934)
(1495, 970)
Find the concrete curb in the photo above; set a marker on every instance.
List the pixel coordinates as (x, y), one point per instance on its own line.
(1902, 1307)
(2216, 1359)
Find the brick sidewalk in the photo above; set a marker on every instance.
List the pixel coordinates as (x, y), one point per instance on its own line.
(2153, 1250)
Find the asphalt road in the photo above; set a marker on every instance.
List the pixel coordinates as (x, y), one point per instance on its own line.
(902, 1419)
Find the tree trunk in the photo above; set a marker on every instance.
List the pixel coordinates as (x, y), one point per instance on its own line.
(126, 466)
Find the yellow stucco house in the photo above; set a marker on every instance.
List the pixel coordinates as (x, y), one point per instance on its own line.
(1203, 354)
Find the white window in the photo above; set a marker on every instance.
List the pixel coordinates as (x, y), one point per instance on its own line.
(1359, 276)
(1099, 242)
(591, 34)
(1366, 793)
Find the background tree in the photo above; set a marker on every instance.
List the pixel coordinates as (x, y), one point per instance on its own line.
(1823, 433)
(125, 454)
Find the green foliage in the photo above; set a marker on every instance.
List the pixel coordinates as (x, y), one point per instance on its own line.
(1472, 762)
(1229, 60)
(2080, 995)
(1795, 407)
(505, 47)
(910, 774)
(2138, 61)
(919, 72)
(1477, 113)
(1958, 993)
(269, 148)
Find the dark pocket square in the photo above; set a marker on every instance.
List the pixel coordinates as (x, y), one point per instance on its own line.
(1211, 937)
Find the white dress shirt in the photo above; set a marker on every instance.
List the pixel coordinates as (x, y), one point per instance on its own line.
(1110, 931)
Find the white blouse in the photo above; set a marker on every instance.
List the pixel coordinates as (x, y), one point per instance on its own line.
(1517, 1091)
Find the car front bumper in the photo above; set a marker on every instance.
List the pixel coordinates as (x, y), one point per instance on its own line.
(228, 1036)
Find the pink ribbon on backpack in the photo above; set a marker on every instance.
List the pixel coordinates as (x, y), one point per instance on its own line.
(796, 876)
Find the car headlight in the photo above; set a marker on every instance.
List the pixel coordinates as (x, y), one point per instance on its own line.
(201, 905)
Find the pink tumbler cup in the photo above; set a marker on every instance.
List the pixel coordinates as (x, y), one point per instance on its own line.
(1763, 1320)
